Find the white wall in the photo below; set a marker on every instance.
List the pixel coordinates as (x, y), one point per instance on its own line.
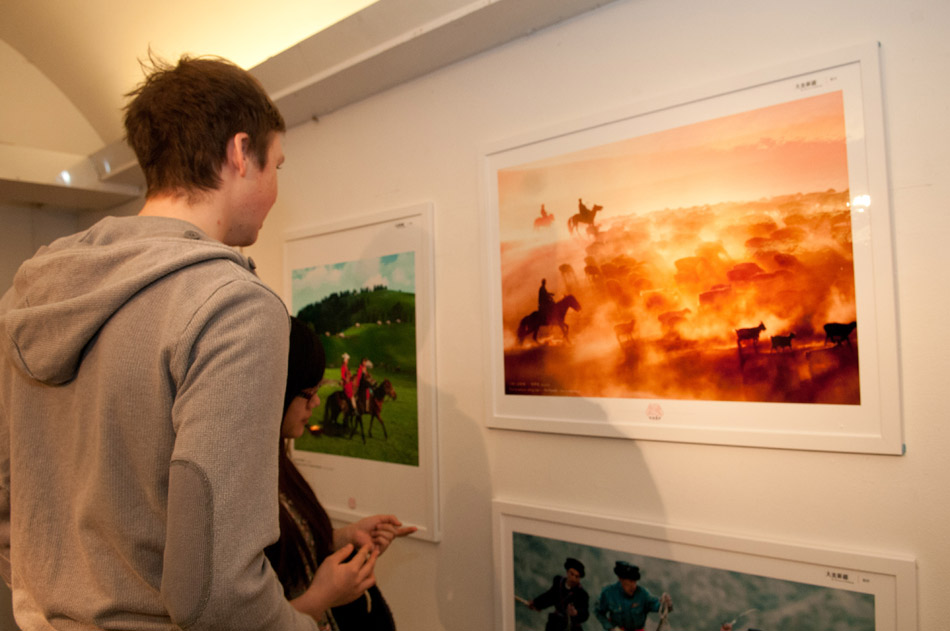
(24, 231)
(34, 113)
(422, 141)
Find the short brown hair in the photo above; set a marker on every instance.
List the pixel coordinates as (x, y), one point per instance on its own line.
(181, 118)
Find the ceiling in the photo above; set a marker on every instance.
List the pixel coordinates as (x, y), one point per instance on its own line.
(312, 57)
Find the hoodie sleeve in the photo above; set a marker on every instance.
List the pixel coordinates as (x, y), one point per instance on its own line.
(5, 570)
(230, 367)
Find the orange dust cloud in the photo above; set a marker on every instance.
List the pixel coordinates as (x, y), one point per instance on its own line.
(687, 251)
(662, 296)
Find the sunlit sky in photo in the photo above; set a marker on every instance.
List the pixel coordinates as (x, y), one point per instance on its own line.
(313, 284)
(798, 146)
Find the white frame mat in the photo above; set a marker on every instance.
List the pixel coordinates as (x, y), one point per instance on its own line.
(872, 425)
(352, 488)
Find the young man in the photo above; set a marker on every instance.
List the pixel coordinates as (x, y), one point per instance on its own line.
(142, 369)
(624, 605)
(570, 600)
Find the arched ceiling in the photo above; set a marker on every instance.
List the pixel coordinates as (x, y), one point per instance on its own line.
(90, 49)
(312, 56)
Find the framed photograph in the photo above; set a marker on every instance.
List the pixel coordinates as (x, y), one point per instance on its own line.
(365, 286)
(711, 267)
(712, 579)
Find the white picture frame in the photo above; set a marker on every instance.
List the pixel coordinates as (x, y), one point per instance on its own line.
(712, 577)
(529, 385)
(348, 256)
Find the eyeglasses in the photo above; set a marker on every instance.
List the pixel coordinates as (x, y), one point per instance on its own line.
(309, 394)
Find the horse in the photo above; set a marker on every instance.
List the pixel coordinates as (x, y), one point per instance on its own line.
(337, 403)
(568, 274)
(583, 217)
(543, 221)
(378, 394)
(624, 332)
(531, 323)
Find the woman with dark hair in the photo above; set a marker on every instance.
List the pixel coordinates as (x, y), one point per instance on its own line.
(310, 550)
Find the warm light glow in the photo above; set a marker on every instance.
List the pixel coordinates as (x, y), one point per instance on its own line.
(248, 32)
(798, 146)
(256, 34)
(65, 178)
(712, 261)
(861, 203)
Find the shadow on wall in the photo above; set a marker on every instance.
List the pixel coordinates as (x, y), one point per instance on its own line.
(605, 476)
(466, 523)
(467, 503)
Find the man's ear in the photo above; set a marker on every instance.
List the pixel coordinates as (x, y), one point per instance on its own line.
(238, 152)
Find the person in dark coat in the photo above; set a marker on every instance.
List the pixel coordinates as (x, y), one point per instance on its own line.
(571, 602)
(308, 541)
(545, 300)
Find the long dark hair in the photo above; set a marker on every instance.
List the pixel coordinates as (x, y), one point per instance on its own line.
(291, 557)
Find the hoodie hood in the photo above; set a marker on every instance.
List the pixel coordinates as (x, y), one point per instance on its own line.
(63, 295)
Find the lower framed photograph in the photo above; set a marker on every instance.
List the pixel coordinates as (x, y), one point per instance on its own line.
(558, 569)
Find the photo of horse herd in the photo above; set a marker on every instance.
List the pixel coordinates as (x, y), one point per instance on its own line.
(741, 289)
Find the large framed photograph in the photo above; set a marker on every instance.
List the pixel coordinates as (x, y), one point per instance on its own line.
(365, 286)
(546, 558)
(713, 266)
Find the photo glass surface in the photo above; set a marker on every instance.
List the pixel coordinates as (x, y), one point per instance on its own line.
(703, 597)
(364, 310)
(606, 572)
(713, 266)
(364, 285)
(711, 261)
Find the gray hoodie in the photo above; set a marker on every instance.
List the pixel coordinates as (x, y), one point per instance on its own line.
(142, 370)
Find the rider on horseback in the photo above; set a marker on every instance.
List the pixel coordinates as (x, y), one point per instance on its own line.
(583, 210)
(584, 215)
(364, 382)
(346, 380)
(545, 300)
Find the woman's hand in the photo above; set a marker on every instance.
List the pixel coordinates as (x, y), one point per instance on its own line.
(338, 581)
(377, 530)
